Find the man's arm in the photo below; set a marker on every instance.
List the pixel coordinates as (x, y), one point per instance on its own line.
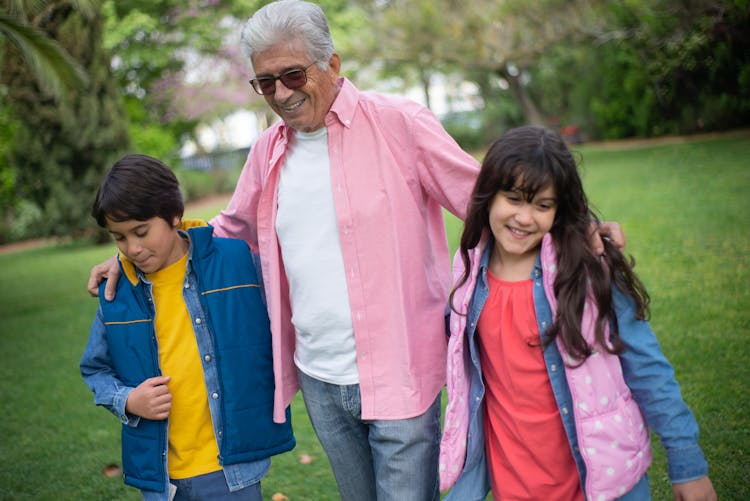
(448, 173)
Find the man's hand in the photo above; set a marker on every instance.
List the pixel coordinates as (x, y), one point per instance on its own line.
(110, 270)
(610, 230)
(150, 399)
(695, 490)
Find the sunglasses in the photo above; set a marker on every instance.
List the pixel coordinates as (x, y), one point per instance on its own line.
(292, 79)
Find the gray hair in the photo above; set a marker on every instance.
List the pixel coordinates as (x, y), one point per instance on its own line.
(286, 20)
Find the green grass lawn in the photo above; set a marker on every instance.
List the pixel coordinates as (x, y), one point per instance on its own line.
(684, 208)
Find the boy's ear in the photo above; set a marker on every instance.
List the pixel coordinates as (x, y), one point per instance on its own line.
(176, 221)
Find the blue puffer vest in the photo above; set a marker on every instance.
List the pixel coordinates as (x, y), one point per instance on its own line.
(230, 296)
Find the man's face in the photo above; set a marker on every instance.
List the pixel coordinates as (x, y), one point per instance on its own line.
(305, 108)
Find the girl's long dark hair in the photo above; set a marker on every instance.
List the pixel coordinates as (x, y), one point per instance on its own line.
(529, 159)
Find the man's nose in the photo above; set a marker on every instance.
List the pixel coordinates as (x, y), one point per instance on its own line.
(281, 91)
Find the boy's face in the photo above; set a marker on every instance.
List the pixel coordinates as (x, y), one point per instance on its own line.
(151, 245)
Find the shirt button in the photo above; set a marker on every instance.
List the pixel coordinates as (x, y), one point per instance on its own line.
(198, 321)
(207, 358)
(214, 395)
(565, 410)
(553, 367)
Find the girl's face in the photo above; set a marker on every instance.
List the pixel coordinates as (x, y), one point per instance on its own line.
(518, 224)
(151, 245)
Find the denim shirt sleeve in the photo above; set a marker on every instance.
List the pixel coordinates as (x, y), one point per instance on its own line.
(651, 379)
(96, 369)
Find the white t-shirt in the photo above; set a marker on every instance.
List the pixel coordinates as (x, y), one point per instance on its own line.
(307, 229)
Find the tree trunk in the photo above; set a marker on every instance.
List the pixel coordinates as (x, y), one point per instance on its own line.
(531, 113)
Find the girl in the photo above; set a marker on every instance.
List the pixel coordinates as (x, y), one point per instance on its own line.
(554, 375)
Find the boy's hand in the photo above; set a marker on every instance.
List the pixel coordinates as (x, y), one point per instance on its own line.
(150, 399)
(110, 270)
(611, 230)
(696, 490)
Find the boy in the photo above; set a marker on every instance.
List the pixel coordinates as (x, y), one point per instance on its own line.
(182, 355)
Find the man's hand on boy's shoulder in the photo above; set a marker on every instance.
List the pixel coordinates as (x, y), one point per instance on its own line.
(150, 399)
(110, 270)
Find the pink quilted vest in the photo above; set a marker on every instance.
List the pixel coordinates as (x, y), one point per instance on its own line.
(612, 435)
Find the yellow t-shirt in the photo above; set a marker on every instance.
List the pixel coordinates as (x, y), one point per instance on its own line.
(192, 444)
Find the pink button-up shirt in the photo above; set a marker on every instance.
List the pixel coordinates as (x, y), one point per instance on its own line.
(393, 167)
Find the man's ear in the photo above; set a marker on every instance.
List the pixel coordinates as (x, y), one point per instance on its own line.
(334, 66)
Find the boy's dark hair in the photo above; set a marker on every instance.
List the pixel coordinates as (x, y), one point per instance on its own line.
(138, 187)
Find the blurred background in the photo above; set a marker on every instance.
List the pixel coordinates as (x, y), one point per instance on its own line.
(83, 82)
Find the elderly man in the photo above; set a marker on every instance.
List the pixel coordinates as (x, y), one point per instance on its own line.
(342, 198)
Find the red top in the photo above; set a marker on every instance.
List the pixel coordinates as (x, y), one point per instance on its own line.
(528, 454)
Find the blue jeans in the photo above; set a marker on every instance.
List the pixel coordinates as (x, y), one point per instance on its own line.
(213, 487)
(374, 460)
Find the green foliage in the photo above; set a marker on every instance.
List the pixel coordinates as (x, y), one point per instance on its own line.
(61, 148)
(147, 136)
(196, 184)
(53, 67)
(650, 69)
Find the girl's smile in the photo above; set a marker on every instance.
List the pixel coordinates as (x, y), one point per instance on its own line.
(519, 225)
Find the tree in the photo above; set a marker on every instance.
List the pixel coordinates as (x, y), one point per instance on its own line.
(648, 68)
(61, 147)
(481, 38)
(53, 67)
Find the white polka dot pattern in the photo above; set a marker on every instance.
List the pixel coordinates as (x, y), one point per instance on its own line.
(612, 436)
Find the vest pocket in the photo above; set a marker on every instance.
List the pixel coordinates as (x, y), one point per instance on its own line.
(143, 453)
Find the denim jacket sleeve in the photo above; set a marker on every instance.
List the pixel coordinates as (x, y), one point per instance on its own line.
(651, 379)
(96, 369)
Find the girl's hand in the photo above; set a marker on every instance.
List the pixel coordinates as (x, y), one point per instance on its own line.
(695, 490)
(150, 399)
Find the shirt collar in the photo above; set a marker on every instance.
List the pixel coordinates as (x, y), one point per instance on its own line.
(134, 275)
(485, 261)
(345, 105)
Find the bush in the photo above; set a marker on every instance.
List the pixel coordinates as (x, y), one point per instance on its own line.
(197, 184)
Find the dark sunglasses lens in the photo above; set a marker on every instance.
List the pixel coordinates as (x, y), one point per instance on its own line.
(265, 85)
(294, 79)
